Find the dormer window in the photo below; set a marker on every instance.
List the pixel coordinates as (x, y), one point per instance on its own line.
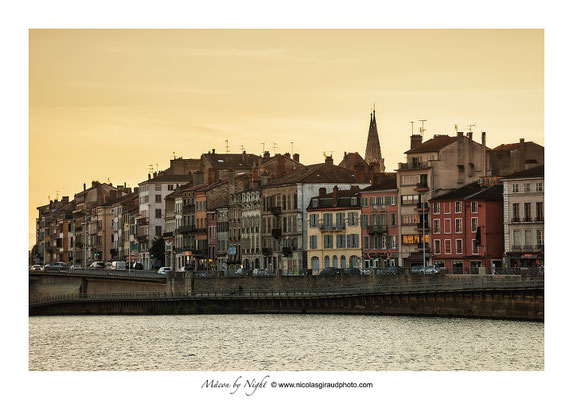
(353, 201)
(314, 203)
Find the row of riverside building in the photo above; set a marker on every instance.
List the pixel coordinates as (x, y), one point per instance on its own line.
(456, 202)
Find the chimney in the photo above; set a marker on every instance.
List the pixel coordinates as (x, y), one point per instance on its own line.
(155, 174)
(470, 136)
(334, 196)
(266, 154)
(65, 199)
(521, 153)
(287, 155)
(460, 142)
(470, 152)
(322, 191)
(483, 154)
(210, 176)
(136, 189)
(148, 176)
(415, 141)
(296, 157)
(329, 160)
(84, 186)
(94, 183)
(213, 151)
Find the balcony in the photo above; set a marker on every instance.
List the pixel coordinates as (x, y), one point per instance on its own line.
(287, 251)
(516, 248)
(142, 221)
(142, 237)
(377, 229)
(422, 187)
(277, 233)
(412, 165)
(337, 227)
(516, 219)
(275, 210)
(185, 229)
(267, 251)
(421, 207)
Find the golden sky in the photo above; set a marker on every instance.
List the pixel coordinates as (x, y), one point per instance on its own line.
(107, 103)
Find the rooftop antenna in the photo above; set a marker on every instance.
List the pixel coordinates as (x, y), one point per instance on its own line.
(412, 122)
(263, 143)
(274, 148)
(327, 155)
(227, 146)
(470, 127)
(291, 147)
(157, 167)
(456, 127)
(242, 148)
(57, 194)
(422, 129)
(150, 168)
(174, 156)
(108, 181)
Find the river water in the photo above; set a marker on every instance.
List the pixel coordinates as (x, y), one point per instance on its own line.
(282, 343)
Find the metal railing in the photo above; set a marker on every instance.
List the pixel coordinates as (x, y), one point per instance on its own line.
(453, 285)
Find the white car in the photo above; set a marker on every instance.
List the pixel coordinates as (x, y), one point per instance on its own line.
(164, 270)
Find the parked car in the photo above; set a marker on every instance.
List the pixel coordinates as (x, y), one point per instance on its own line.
(351, 271)
(97, 265)
(137, 265)
(36, 267)
(260, 272)
(76, 267)
(164, 270)
(417, 270)
(240, 271)
(367, 271)
(329, 271)
(393, 270)
(118, 265)
(57, 266)
(432, 270)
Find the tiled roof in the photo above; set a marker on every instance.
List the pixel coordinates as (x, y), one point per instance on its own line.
(168, 178)
(388, 182)
(437, 143)
(235, 161)
(352, 159)
(344, 200)
(536, 172)
(317, 173)
(513, 146)
(473, 191)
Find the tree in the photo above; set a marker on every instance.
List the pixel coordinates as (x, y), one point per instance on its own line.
(157, 250)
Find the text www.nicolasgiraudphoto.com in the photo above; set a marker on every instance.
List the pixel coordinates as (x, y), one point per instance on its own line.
(249, 386)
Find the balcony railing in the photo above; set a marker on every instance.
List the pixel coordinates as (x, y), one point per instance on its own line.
(329, 227)
(377, 228)
(143, 221)
(413, 165)
(185, 229)
(422, 187)
(287, 251)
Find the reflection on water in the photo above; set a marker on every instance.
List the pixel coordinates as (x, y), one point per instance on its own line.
(283, 343)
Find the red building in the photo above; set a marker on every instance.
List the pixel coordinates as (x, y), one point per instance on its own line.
(466, 227)
(380, 224)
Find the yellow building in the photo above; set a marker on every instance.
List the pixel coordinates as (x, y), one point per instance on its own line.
(334, 230)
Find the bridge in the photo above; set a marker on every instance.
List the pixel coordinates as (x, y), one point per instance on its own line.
(512, 297)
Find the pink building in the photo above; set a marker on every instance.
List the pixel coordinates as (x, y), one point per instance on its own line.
(466, 227)
(380, 224)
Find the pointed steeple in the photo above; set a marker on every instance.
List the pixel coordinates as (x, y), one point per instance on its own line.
(373, 153)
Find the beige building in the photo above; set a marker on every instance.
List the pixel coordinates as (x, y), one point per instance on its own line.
(334, 230)
(523, 210)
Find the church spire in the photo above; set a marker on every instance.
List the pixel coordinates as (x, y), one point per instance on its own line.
(373, 153)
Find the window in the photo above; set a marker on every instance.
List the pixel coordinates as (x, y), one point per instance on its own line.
(340, 241)
(539, 187)
(313, 221)
(436, 246)
(364, 220)
(447, 246)
(527, 187)
(158, 213)
(365, 241)
(393, 219)
(170, 187)
(436, 207)
(475, 249)
(436, 226)
(517, 237)
(539, 211)
(410, 200)
(328, 242)
(474, 224)
(407, 180)
(157, 231)
(527, 211)
(447, 207)
(515, 207)
(327, 220)
(459, 246)
(352, 218)
(353, 201)
(474, 207)
(459, 225)
(458, 207)
(515, 188)
(410, 219)
(326, 262)
(158, 188)
(315, 203)
(352, 241)
(364, 202)
(312, 242)
(540, 238)
(528, 237)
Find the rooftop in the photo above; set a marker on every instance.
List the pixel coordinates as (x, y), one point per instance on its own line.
(316, 173)
(536, 172)
(437, 143)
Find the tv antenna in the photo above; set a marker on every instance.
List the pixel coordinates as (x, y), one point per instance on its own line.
(227, 146)
(412, 123)
(57, 194)
(150, 168)
(174, 157)
(274, 148)
(422, 129)
(291, 147)
(263, 143)
(328, 155)
(242, 148)
(470, 127)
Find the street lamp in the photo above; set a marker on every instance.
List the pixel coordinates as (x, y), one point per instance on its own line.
(424, 227)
